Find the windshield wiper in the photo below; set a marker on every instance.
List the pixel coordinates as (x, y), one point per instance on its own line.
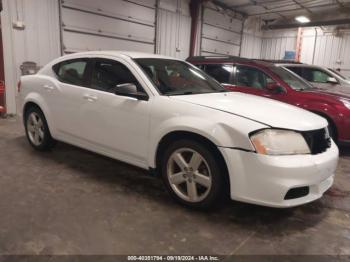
(181, 94)
(197, 93)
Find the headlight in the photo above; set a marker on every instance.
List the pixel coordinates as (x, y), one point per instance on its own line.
(279, 142)
(346, 103)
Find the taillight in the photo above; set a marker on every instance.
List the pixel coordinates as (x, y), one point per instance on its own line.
(19, 86)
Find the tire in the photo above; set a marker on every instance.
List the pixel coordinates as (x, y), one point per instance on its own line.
(332, 132)
(193, 175)
(37, 130)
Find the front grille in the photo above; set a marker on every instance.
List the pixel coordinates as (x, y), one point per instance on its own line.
(317, 140)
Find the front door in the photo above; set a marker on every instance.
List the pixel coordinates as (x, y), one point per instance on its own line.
(117, 124)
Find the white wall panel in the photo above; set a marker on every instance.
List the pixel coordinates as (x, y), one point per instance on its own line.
(276, 42)
(220, 32)
(252, 38)
(308, 46)
(327, 49)
(251, 46)
(38, 42)
(221, 19)
(174, 29)
(344, 56)
(216, 47)
(83, 42)
(330, 49)
(214, 33)
(128, 25)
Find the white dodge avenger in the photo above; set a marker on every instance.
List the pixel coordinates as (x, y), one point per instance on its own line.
(165, 115)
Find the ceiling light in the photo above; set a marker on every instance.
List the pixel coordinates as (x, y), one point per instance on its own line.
(302, 19)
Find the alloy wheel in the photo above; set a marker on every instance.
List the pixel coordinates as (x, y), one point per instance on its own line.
(189, 175)
(35, 129)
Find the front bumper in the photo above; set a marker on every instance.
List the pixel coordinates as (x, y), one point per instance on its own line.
(265, 180)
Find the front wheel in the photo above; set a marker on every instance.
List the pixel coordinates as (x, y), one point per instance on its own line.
(192, 174)
(37, 130)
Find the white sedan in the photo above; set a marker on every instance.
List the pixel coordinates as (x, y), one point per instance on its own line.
(165, 115)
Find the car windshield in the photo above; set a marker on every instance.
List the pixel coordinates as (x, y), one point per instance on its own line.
(173, 77)
(291, 79)
(337, 73)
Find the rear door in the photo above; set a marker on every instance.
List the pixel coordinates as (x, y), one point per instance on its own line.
(65, 96)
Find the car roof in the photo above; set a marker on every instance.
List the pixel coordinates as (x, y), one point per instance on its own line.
(118, 54)
(297, 65)
(228, 59)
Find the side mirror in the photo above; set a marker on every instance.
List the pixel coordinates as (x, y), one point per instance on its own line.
(332, 80)
(130, 90)
(274, 88)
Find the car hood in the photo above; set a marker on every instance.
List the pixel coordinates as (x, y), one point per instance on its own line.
(259, 109)
(343, 89)
(332, 93)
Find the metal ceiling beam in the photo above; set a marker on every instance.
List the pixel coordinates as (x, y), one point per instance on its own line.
(310, 24)
(302, 6)
(341, 5)
(246, 5)
(263, 6)
(224, 6)
(290, 10)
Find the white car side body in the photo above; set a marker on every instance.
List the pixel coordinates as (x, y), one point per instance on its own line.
(130, 130)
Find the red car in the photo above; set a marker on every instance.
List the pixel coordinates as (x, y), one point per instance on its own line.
(268, 80)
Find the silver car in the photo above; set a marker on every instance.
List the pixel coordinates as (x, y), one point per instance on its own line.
(320, 77)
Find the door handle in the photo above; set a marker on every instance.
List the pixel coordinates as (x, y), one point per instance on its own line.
(48, 87)
(90, 98)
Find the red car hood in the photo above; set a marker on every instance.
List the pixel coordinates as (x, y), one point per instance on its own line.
(329, 93)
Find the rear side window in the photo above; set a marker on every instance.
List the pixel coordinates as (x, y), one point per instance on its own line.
(72, 71)
(315, 75)
(252, 77)
(297, 70)
(222, 73)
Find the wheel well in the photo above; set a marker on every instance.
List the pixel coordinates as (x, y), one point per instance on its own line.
(176, 135)
(330, 121)
(27, 106)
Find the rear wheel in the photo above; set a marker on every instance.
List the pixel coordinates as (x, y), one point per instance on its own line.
(37, 130)
(192, 174)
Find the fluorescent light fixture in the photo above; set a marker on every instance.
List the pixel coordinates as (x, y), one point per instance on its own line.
(302, 19)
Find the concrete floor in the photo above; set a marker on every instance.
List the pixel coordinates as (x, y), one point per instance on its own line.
(70, 201)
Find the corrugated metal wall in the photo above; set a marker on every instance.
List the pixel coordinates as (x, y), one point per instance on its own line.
(174, 28)
(39, 42)
(327, 48)
(252, 38)
(220, 32)
(276, 42)
(251, 46)
(108, 24)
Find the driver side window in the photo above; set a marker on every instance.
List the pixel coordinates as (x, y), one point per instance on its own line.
(315, 75)
(108, 74)
(252, 77)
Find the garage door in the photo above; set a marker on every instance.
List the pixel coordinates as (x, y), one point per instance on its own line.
(221, 33)
(108, 25)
